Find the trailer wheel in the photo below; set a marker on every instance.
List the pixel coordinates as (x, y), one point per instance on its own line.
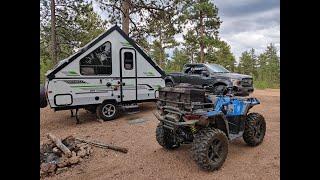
(43, 98)
(210, 148)
(255, 129)
(108, 111)
(169, 84)
(165, 138)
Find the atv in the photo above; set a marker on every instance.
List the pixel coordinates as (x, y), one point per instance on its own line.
(189, 115)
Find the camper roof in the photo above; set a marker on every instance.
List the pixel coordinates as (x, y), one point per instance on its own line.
(71, 58)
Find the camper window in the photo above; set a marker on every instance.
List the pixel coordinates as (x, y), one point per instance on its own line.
(98, 62)
(128, 60)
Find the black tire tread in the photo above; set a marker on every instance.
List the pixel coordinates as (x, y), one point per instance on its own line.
(100, 114)
(162, 140)
(199, 148)
(248, 135)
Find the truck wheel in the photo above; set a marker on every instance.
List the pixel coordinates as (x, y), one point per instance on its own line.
(210, 148)
(107, 111)
(165, 138)
(169, 84)
(255, 129)
(219, 89)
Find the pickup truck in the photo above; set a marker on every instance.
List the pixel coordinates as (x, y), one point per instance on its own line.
(213, 77)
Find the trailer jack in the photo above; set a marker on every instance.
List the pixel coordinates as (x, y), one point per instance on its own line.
(76, 116)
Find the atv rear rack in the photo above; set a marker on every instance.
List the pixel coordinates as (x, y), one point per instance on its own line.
(172, 125)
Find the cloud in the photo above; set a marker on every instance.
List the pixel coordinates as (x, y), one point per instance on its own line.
(249, 24)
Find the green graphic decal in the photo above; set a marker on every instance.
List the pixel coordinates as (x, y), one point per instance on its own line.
(126, 44)
(71, 73)
(149, 73)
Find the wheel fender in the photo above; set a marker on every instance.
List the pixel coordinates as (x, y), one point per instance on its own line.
(169, 78)
(220, 122)
(222, 81)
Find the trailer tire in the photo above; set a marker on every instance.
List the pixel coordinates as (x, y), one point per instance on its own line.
(108, 111)
(43, 99)
(255, 129)
(165, 138)
(203, 151)
(169, 84)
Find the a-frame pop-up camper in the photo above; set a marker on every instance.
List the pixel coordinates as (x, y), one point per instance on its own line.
(108, 73)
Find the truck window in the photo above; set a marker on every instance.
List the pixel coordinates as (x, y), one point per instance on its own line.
(98, 62)
(128, 60)
(187, 70)
(197, 70)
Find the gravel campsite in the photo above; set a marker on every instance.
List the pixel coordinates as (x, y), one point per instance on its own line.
(146, 159)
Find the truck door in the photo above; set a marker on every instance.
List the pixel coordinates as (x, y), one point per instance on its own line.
(128, 74)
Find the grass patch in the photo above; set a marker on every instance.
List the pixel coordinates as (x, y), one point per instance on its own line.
(265, 85)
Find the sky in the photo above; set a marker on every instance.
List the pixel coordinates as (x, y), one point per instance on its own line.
(246, 24)
(249, 24)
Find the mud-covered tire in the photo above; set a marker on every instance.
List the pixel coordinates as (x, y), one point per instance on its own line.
(255, 129)
(165, 138)
(103, 113)
(209, 148)
(43, 98)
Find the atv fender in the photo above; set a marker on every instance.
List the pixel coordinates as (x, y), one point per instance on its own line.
(219, 120)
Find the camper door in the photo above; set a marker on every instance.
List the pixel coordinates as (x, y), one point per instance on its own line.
(128, 74)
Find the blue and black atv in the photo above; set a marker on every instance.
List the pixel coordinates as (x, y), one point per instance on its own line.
(187, 114)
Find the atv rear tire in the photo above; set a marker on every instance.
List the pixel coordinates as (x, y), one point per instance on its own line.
(210, 148)
(165, 138)
(108, 111)
(255, 129)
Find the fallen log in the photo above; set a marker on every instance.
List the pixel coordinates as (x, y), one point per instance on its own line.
(60, 145)
(106, 146)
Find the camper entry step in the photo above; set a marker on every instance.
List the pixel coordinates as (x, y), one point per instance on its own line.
(131, 109)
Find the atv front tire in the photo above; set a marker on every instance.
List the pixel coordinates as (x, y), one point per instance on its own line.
(255, 129)
(166, 138)
(210, 148)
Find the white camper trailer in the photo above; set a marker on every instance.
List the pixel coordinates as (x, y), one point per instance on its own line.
(109, 73)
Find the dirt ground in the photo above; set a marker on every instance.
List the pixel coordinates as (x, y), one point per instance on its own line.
(148, 160)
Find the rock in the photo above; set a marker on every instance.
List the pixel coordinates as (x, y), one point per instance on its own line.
(70, 142)
(74, 153)
(61, 170)
(82, 152)
(52, 158)
(63, 161)
(81, 145)
(48, 167)
(57, 151)
(74, 159)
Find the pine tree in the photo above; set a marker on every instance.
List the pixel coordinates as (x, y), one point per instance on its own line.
(203, 16)
(179, 59)
(221, 54)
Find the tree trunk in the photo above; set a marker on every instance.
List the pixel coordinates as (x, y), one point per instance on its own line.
(201, 39)
(53, 33)
(108, 146)
(125, 15)
(161, 50)
(59, 144)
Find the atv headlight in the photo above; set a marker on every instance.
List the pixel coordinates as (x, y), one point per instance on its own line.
(235, 82)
